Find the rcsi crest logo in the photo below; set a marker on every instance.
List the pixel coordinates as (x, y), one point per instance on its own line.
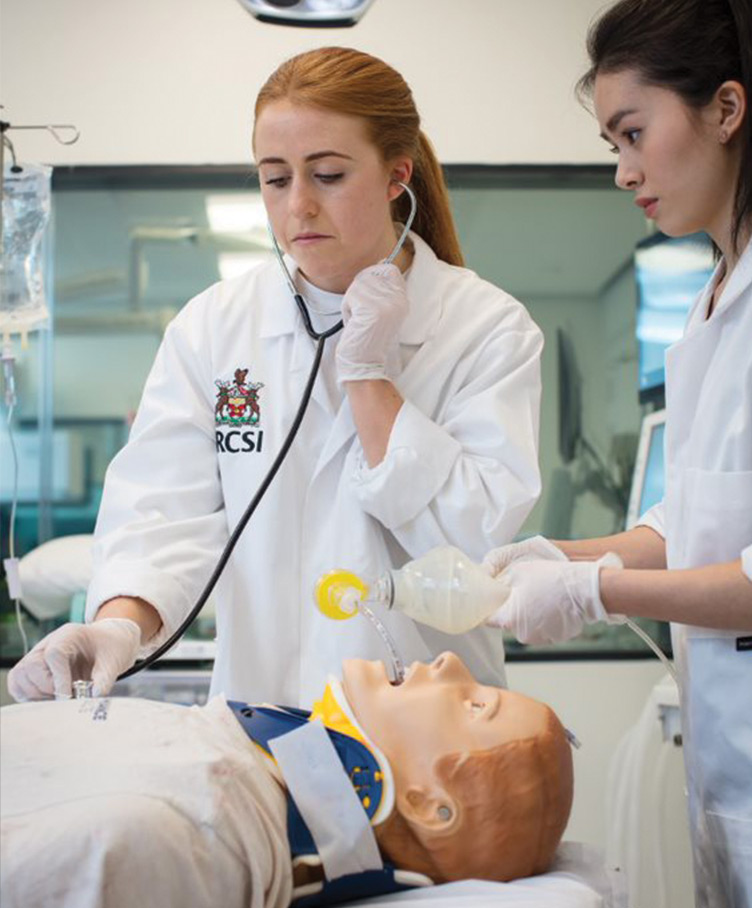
(237, 401)
(237, 415)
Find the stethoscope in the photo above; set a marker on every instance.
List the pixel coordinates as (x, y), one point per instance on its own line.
(320, 337)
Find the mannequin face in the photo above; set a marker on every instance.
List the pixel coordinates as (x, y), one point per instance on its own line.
(483, 776)
(671, 155)
(439, 709)
(326, 190)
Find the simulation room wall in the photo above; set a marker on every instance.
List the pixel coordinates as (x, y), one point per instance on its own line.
(174, 81)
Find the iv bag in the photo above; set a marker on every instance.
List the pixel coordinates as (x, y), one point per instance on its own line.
(26, 211)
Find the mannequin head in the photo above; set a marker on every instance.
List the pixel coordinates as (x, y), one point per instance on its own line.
(483, 775)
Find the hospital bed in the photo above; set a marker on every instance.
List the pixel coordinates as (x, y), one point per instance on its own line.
(579, 878)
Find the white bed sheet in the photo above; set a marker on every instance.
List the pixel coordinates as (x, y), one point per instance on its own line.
(82, 780)
(579, 879)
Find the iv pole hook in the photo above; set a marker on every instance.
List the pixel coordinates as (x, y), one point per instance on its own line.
(52, 128)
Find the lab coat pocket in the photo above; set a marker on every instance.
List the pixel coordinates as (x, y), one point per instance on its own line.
(718, 514)
(717, 695)
(733, 832)
(731, 837)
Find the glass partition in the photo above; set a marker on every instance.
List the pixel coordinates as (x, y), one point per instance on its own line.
(132, 245)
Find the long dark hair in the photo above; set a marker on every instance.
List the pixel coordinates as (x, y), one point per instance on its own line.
(689, 46)
(351, 82)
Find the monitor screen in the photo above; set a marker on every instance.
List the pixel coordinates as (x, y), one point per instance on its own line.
(648, 480)
(670, 273)
(570, 397)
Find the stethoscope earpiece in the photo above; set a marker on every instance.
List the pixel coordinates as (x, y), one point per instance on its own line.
(408, 223)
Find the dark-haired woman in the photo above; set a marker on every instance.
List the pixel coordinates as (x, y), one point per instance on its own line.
(672, 86)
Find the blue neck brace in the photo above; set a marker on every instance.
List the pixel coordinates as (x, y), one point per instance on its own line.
(262, 724)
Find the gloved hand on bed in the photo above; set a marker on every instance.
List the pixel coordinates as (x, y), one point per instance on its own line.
(98, 651)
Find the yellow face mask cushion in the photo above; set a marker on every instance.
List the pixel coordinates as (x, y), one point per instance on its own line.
(338, 593)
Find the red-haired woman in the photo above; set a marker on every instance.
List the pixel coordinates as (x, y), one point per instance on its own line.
(422, 430)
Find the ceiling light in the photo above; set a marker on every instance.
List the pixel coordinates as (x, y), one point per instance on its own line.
(308, 13)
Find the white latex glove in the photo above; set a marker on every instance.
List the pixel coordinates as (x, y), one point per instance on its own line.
(552, 600)
(533, 548)
(97, 652)
(373, 310)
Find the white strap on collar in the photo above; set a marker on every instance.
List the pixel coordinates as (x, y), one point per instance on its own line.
(324, 795)
(747, 561)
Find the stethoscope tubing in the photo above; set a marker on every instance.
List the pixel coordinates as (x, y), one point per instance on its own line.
(242, 523)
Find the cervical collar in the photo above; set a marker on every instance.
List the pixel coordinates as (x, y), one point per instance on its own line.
(369, 773)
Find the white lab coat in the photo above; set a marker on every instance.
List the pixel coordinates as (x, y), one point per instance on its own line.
(706, 518)
(461, 468)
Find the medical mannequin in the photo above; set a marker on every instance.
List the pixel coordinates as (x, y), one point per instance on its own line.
(498, 762)
(422, 428)
(155, 803)
(672, 86)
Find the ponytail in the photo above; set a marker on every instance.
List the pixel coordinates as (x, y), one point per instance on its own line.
(433, 220)
(742, 13)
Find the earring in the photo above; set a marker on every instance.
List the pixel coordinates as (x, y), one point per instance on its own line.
(444, 813)
(723, 137)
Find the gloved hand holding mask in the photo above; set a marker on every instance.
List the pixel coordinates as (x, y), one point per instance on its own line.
(551, 599)
(530, 549)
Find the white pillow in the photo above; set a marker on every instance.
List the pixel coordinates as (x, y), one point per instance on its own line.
(53, 573)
